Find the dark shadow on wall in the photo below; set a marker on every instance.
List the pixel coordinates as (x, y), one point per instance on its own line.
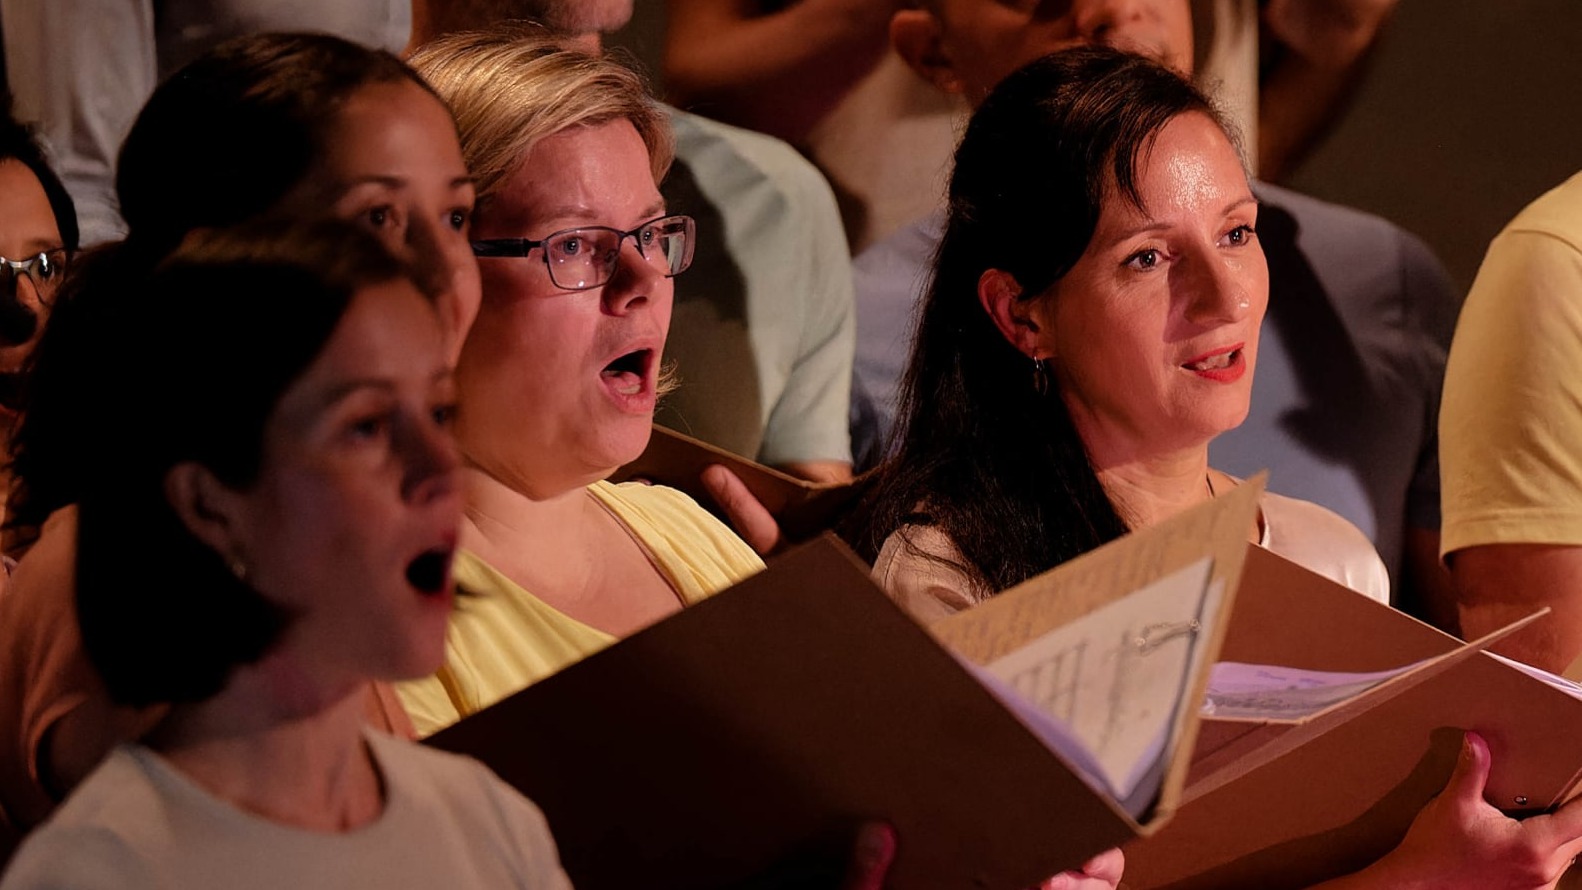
(718, 399)
(1326, 361)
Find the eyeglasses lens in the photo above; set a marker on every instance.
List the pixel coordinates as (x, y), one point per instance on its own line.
(44, 270)
(586, 258)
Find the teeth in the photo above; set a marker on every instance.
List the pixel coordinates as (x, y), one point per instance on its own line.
(626, 382)
(1217, 363)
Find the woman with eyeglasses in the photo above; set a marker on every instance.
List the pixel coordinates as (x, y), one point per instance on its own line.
(559, 377)
(38, 235)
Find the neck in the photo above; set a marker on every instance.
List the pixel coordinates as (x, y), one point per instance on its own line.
(1152, 488)
(265, 752)
(497, 509)
(531, 537)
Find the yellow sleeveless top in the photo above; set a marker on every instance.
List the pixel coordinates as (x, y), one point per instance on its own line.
(503, 638)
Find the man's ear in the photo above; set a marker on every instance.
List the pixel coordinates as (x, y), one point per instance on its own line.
(918, 37)
(210, 510)
(1001, 297)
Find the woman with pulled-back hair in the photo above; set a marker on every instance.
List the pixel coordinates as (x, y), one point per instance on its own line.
(294, 482)
(287, 124)
(1091, 326)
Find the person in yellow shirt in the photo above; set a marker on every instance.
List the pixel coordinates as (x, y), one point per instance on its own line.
(1509, 429)
(560, 376)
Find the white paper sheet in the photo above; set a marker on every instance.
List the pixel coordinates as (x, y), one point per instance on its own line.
(1114, 680)
(1238, 691)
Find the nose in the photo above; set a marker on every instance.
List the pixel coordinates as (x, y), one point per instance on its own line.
(634, 280)
(1218, 292)
(28, 291)
(22, 314)
(445, 266)
(431, 460)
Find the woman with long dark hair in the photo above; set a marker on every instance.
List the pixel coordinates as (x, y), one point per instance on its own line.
(1092, 324)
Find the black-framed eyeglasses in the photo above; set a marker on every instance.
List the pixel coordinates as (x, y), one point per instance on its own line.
(45, 270)
(579, 259)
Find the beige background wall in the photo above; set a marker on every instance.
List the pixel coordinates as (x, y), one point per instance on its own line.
(1472, 109)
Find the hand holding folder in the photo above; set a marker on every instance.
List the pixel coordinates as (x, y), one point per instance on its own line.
(1284, 804)
(765, 506)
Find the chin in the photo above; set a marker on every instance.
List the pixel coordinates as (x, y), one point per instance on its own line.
(624, 441)
(1212, 425)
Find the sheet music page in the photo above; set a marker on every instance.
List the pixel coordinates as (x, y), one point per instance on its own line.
(1272, 693)
(1116, 677)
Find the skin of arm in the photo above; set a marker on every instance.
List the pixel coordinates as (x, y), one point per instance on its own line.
(776, 72)
(1318, 51)
(1496, 584)
(1459, 841)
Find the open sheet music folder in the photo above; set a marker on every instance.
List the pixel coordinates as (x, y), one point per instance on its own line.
(785, 711)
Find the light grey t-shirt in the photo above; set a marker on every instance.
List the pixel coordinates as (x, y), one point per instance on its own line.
(136, 822)
(763, 330)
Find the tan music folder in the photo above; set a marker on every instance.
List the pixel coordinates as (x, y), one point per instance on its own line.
(803, 509)
(760, 727)
(1272, 806)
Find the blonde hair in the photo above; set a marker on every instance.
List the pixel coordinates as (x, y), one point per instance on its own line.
(514, 85)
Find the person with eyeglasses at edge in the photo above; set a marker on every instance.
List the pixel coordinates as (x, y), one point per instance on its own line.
(38, 236)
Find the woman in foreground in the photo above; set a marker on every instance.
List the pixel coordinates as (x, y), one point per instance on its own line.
(288, 124)
(1092, 325)
(294, 482)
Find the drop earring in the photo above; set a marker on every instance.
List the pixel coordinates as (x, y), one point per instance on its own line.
(1040, 377)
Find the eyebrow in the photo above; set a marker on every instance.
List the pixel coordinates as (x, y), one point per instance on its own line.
(347, 388)
(396, 182)
(582, 213)
(36, 246)
(1159, 226)
(341, 391)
